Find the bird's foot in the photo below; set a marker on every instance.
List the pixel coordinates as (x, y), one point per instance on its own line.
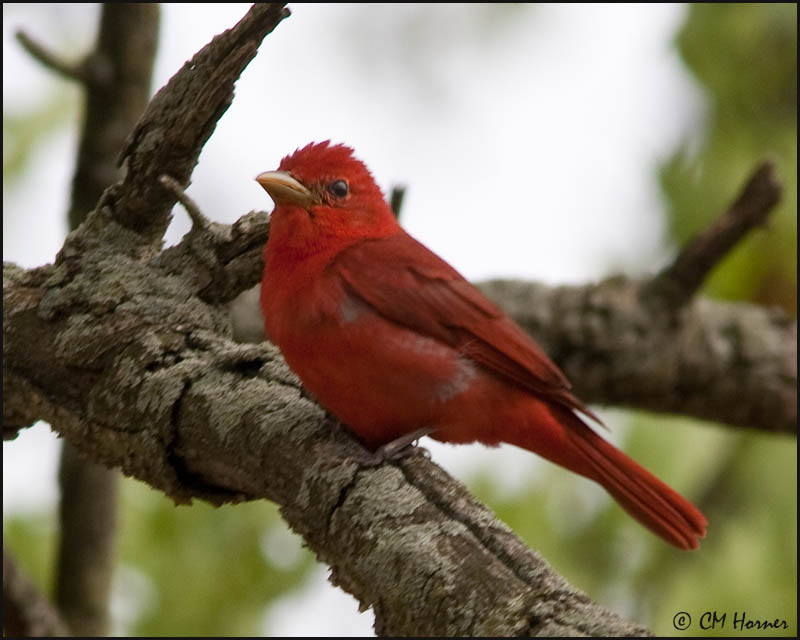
(397, 449)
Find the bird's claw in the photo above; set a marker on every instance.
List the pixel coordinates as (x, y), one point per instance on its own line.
(397, 449)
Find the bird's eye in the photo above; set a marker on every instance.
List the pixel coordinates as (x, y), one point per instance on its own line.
(338, 188)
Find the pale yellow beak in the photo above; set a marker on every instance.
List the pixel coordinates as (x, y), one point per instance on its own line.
(284, 189)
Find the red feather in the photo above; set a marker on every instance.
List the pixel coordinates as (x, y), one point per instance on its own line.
(392, 339)
(416, 288)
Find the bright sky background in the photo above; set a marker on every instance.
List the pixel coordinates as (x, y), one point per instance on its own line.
(528, 147)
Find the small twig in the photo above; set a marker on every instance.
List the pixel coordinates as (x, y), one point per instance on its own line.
(199, 220)
(678, 282)
(72, 71)
(26, 612)
(396, 199)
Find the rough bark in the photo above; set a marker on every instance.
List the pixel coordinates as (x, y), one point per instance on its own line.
(156, 388)
(732, 363)
(162, 394)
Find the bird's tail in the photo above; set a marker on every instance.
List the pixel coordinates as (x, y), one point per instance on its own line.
(574, 445)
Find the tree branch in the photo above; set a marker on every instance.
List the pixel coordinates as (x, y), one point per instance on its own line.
(180, 119)
(676, 284)
(26, 612)
(732, 363)
(116, 77)
(48, 59)
(197, 416)
(87, 542)
(173, 403)
(122, 64)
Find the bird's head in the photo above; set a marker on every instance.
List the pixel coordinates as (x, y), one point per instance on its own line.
(322, 192)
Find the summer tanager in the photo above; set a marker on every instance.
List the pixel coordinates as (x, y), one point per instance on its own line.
(396, 343)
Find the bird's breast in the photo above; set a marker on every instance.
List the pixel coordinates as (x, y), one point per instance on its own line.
(379, 377)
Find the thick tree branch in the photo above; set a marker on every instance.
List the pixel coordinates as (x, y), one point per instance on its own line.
(169, 400)
(732, 363)
(198, 416)
(180, 119)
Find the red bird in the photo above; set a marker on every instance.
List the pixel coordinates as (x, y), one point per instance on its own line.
(397, 344)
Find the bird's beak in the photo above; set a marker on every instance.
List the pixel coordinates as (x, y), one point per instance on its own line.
(284, 189)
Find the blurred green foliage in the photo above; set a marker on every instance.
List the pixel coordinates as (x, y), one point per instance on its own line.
(211, 571)
(182, 571)
(22, 132)
(745, 58)
(745, 484)
(32, 539)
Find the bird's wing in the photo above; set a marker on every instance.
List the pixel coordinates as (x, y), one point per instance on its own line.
(408, 284)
